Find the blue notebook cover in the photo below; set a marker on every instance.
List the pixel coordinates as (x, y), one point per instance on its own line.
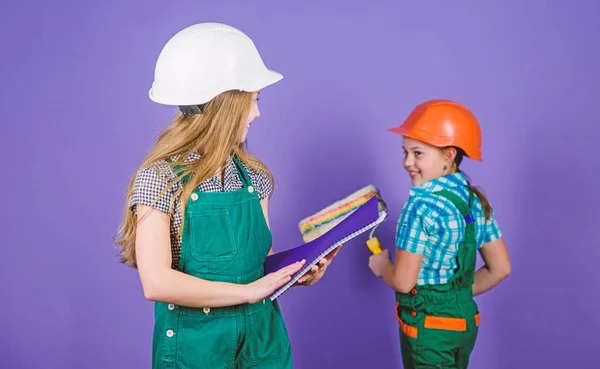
(361, 220)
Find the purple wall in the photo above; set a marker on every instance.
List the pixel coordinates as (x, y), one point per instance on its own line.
(76, 121)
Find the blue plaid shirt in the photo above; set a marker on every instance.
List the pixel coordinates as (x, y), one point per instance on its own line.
(430, 225)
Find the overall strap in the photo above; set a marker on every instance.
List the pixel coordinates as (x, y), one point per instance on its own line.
(178, 169)
(242, 171)
(463, 207)
(466, 256)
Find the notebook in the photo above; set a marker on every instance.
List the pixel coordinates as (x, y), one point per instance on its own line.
(361, 220)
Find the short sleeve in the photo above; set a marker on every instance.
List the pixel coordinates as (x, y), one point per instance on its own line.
(150, 188)
(262, 182)
(411, 231)
(492, 231)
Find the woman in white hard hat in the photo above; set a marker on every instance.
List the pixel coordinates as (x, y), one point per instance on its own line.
(196, 223)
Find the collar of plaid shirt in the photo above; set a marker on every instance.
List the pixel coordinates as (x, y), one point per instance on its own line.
(441, 183)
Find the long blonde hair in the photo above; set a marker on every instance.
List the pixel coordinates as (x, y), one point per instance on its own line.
(215, 135)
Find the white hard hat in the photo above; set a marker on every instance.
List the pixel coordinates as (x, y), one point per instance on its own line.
(204, 60)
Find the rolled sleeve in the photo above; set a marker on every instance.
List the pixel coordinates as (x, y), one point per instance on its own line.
(492, 230)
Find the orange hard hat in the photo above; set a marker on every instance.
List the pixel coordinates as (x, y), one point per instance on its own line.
(443, 123)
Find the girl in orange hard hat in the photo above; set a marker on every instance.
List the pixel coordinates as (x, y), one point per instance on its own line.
(443, 223)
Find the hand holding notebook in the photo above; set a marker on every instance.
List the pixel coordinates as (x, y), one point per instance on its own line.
(317, 271)
(359, 220)
(267, 285)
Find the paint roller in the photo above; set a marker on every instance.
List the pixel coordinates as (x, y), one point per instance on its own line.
(322, 221)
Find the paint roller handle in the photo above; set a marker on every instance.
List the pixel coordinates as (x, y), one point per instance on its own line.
(374, 245)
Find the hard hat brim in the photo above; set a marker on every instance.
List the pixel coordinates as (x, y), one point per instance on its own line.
(255, 83)
(440, 142)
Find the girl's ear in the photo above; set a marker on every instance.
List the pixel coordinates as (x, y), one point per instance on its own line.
(450, 155)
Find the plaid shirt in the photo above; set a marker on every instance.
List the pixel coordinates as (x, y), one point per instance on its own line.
(430, 225)
(151, 181)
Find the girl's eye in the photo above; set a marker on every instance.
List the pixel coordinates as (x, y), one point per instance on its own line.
(418, 153)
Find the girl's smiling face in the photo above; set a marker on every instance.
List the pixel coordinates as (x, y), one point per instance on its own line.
(424, 162)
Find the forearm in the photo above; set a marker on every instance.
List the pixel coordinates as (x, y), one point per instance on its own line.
(485, 280)
(388, 276)
(403, 273)
(178, 288)
(497, 266)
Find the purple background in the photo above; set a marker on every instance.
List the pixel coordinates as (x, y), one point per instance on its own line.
(77, 121)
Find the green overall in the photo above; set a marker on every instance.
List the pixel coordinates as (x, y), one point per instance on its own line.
(225, 238)
(439, 323)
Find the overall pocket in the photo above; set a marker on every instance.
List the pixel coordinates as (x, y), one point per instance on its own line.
(411, 325)
(211, 236)
(266, 337)
(206, 341)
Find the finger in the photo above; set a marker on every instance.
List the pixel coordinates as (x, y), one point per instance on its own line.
(297, 265)
(281, 282)
(332, 254)
(283, 271)
(290, 269)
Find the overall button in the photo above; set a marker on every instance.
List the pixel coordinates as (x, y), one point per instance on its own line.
(413, 313)
(250, 189)
(206, 310)
(414, 291)
(194, 196)
(171, 306)
(170, 333)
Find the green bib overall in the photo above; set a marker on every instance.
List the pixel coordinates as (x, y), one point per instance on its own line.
(225, 238)
(439, 323)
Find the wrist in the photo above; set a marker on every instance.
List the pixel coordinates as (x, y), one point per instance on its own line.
(245, 293)
(387, 270)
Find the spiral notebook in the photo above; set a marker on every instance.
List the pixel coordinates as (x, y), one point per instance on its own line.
(361, 220)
